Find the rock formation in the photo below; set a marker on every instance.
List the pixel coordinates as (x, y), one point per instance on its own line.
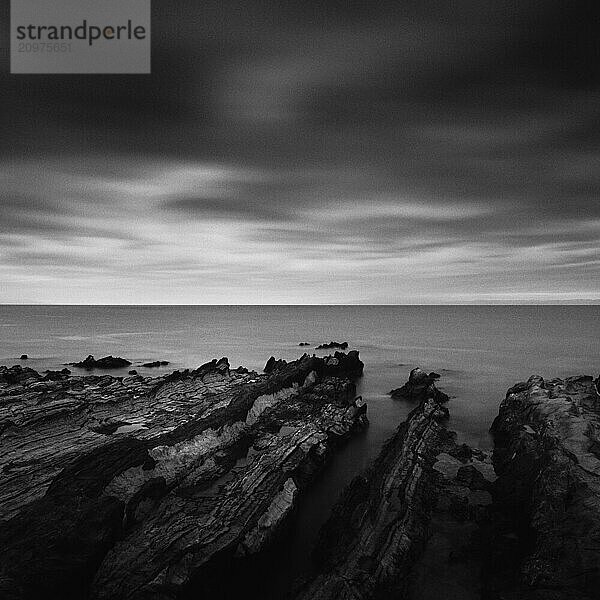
(340, 363)
(419, 387)
(546, 525)
(107, 362)
(156, 363)
(330, 345)
(431, 519)
(176, 486)
(145, 487)
(373, 545)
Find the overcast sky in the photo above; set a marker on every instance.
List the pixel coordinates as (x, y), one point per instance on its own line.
(407, 152)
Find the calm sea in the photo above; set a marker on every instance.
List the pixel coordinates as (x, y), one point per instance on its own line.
(480, 351)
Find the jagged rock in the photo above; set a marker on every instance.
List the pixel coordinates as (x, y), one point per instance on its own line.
(367, 546)
(349, 364)
(145, 487)
(107, 362)
(330, 345)
(273, 364)
(24, 357)
(546, 527)
(419, 387)
(132, 372)
(156, 363)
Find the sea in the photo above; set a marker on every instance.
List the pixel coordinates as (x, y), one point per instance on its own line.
(479, 352)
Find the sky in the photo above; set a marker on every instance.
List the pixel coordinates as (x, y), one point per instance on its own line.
(409, 152)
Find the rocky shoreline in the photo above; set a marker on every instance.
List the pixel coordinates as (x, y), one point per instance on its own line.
(182, 485)
(132, 487)
(433, 519)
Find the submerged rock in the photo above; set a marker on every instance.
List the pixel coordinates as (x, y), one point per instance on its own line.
(419, 387)
(156, 363)
(148, 487)
(107, 362)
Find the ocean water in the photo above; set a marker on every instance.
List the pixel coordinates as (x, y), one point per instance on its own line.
(480, 351)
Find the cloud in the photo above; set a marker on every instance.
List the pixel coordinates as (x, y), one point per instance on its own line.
(369, 153)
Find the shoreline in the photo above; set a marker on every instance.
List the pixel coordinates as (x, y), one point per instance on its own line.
(157, 432)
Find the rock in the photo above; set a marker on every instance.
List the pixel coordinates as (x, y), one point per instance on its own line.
(419, 387)
(545, 539)
(132, 372)
(108, 362)
(156, 363)
(339, 363)
(149, 487)
(57, 375)
(412, 526)
(463, 452)
(472, 478)
(17, 374)
(340, 345)
(24, 357)
(375, 532)
(417, 376)
(303, 344)
(273, 364)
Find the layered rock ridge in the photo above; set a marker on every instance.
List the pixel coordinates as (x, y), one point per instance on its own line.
(134, 487)
(413, 515)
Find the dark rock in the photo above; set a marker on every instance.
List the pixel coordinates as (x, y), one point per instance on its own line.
(472, 478)
(24, 357)
(413, 525)
(57, 375)
(463, 452)
(273, 364)
(220, 366)
(340, 363)
(145, 487)
(330, 345)
(419, 387)
(303, 344)
(545, 540)
(17, 374)
(107, 362)
(132, 372)
(156, 363)
(378, 528)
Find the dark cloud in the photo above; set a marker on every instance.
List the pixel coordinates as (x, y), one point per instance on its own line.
(394, 146)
